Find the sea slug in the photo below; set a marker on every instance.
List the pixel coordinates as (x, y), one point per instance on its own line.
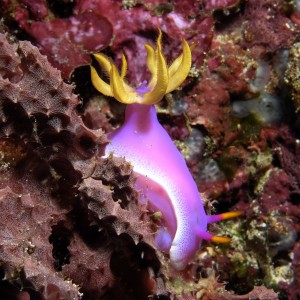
(162, 173)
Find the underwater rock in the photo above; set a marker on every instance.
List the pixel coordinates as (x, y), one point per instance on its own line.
(66, 41)
(267, 108)
(266, 26)
(136, 26)
(38, 8)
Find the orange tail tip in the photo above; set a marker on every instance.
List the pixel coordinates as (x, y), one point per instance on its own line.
(214, 238)
(231, 214)
(220, 239)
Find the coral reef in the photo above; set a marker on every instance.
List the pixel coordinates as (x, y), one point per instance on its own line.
(71, 223)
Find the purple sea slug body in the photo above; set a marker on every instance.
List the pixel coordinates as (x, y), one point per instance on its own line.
(162, 174)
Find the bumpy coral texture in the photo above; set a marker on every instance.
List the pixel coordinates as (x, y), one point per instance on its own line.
(26, 220)
(67, 218)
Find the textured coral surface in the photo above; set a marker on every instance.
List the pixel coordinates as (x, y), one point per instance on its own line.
(71, 223)
(67, 216)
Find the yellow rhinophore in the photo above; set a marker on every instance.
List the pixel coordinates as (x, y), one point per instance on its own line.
(163, 80)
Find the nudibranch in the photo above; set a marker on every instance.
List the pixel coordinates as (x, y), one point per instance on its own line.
(162, 174)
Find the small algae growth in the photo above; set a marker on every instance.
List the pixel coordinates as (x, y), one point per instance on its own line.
(265, 243)
(253, 252)
(259, 161)
(292, 75)
(10, 154)
(248, 128)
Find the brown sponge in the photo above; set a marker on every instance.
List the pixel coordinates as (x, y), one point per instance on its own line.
(71, 223)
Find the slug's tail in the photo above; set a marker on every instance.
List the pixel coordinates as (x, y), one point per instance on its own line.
(211, 219)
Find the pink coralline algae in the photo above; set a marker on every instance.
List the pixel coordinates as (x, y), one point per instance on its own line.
(209, 101)
(66, 42)
(38, 8)
(133, 29)
(94, 24)
(294, 289)
(220, 4)
(266, 26)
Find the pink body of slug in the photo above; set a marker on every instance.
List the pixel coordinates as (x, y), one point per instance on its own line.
(162, 174)
(164, 179)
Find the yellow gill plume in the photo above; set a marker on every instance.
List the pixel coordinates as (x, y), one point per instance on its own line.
(163, 79)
